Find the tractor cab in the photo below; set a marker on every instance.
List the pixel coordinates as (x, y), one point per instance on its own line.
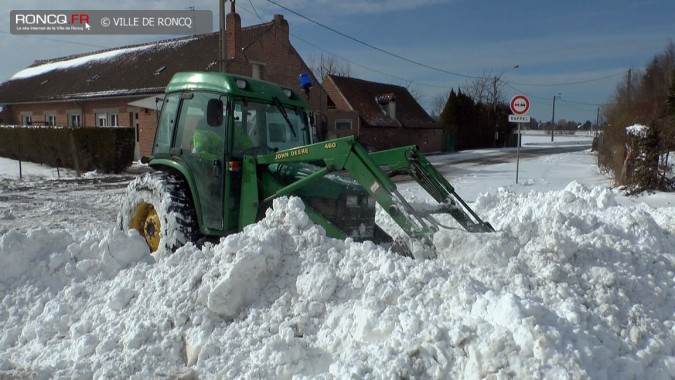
(210, 121)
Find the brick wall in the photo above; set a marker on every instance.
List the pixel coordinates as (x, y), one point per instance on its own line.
(427, 140)
(282, 64)
(335, 95)
(86, 108)
(147, 121)
(380, 138)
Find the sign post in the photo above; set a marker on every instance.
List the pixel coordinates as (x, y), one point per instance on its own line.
(520, 104)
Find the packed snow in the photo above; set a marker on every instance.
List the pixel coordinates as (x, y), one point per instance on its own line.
(577, 283)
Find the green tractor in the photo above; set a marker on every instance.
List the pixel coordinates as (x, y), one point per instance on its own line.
(227, 145)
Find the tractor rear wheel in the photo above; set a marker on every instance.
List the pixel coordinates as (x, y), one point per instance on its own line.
(158, 205)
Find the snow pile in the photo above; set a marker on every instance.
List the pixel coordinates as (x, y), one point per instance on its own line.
(573, 286)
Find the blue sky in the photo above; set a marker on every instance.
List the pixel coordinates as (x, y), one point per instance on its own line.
(580, 49)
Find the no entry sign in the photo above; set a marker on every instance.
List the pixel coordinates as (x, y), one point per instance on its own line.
(520, 105)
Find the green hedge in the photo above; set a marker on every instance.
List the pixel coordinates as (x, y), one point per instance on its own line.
(109, 150)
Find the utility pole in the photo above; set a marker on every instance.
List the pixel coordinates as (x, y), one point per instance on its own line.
(494, 111)
(628, 85)
(221, 37)
(553, 117)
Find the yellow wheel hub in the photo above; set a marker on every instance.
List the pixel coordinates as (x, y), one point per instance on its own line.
(146, 221)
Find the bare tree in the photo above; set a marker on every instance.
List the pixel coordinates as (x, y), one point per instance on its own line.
(328, 65)
(414, 91)
(487, 88)
(438, 103)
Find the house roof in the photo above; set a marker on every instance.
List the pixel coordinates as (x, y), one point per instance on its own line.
(127, 71)
(370, 98)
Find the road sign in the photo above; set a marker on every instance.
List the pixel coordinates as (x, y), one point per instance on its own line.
(520, 105)
(519, 118)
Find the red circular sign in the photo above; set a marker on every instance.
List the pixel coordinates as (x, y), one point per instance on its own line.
(520, 105)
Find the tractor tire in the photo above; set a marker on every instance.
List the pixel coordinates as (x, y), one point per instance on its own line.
(158, 205)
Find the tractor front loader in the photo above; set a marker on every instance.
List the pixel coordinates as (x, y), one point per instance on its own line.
(227, 145)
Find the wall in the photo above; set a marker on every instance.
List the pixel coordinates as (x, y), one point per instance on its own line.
(380, 138)
(147, 120)
(87, 108)
(281, 63)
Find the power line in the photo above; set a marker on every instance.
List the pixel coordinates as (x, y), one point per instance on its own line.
(371, 45)
(345, 59)
(255, 11)
(429, 66)
(571, 83)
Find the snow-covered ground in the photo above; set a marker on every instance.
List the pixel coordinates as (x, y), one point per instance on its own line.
(577, 283)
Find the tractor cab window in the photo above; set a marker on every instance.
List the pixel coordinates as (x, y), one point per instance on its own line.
(167, 122)
(200, 139)
(263, 127)
(195, 135)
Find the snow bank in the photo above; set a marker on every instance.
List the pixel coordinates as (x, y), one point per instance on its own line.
(573, 286)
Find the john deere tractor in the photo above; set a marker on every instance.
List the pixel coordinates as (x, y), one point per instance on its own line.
(227, 145)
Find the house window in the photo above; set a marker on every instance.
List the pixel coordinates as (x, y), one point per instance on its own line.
(257, 70)
(74, 119)
(105, 118)
(26, 118)
(102, 120)
(50, 118)
(343, 125)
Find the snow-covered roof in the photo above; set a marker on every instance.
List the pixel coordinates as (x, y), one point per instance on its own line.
(130, 70)
(70, 63)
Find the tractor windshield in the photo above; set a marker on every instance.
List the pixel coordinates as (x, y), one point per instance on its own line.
(268, 126)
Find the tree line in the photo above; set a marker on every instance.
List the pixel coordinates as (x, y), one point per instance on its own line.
(639, 133)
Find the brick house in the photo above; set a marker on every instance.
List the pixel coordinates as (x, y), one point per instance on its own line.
(120, 87)
(382, 116)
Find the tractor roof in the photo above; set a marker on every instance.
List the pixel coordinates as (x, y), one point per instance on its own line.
(235, 85)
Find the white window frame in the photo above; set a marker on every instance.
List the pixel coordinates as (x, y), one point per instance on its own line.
(114, 119)
(110, 117)
(102, 119)
(77, 115)
(27, 118)
(50, 118)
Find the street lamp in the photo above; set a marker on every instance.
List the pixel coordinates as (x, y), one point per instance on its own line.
(553, 116)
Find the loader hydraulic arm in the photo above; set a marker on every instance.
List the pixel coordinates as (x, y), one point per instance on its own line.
(372, 171)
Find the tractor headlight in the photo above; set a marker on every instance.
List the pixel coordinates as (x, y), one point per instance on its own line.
(352, 201)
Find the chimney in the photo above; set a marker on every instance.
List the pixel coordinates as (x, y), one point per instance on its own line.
(233, 32)
(388, 104)
(392, 108)
(280, 22)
